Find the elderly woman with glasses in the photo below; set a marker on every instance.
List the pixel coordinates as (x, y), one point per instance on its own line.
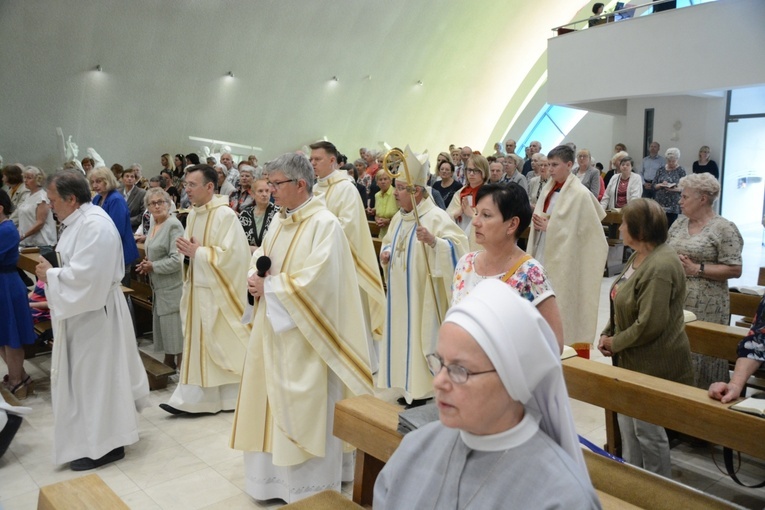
(505, 430)
(163, 266)
(709, 247)
(462, 207)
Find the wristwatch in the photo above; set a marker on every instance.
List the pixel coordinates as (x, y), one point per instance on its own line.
(701, 269)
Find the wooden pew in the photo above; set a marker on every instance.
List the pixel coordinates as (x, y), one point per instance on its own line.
(744, 304)
(666, 403)
(370, 425)
(156, 371)
(761, 277)
(717, 340)
(87, 491)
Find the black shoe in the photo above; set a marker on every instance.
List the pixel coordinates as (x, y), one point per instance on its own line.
(401, 401)
(86, 463)
(171, 409)
(418, 402)
(6, 435)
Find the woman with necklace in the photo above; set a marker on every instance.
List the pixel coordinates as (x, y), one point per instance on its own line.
(15, 316)
(163, 266)
(503, 212)
(646, 330)
(623, 188)
(256, 218)
(505, 435)
(709, 248)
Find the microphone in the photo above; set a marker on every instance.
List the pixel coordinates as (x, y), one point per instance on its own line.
(262, 265)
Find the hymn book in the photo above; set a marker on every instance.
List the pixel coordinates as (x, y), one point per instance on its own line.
(751, 405)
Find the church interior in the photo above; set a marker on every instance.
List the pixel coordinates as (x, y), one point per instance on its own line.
(135, 80)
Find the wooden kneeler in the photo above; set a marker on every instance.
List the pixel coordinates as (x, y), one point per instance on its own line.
(85, 492)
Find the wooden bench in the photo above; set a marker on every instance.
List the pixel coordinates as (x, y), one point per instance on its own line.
(370, 425)
(84, 492)
(141, 296)
(37, 348)
(666, 403)
(744, 305)
(156, 371)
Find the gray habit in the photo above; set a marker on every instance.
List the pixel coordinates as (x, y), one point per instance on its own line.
(434, 468)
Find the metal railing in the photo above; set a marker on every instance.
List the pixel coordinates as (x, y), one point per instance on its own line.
(627, 12)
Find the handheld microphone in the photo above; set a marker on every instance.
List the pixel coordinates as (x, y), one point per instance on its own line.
(262, 265)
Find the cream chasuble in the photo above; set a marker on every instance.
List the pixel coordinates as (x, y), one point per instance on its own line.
(411, 325)
(282, 406)
(342, 199)
(214, 297)
(573, 251)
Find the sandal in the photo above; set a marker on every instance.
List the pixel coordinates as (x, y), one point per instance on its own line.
(24, 388)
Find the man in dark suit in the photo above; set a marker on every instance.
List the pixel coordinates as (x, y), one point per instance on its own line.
(134, 197)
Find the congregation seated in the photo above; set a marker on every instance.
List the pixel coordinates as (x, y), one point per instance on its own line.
(505, 429)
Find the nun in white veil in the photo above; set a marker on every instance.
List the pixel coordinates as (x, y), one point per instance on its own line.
(505, 436)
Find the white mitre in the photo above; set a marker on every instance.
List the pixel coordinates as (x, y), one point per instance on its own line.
(419, 166)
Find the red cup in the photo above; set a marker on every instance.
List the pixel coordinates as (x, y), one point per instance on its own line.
(582, 349)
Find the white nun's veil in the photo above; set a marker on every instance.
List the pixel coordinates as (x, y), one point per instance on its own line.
(523, 349)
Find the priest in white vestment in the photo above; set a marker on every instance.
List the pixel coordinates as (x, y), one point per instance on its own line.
(306, 351)
(98, 382)
(214, 298)
(567, 238)
(338, 191)
(415, 298)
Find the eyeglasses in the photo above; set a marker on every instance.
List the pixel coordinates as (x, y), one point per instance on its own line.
(157, 203)
(474, 171)
(276, 184)
(457, 373)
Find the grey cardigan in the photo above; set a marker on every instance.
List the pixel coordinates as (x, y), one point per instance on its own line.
(167, 277)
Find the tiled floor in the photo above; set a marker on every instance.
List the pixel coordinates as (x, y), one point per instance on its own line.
(185, 463)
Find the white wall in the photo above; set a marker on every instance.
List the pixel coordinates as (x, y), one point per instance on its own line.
(713, 46)
(702, 119)
(164, 65)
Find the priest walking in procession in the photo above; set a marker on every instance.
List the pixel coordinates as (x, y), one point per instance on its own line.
(305, 352)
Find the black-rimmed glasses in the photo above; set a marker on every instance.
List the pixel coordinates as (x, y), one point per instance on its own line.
(457, 373)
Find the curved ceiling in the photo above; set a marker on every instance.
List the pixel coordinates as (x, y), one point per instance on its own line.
(164, 65)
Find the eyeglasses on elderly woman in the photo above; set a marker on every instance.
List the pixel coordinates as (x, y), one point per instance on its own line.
(457, 373)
